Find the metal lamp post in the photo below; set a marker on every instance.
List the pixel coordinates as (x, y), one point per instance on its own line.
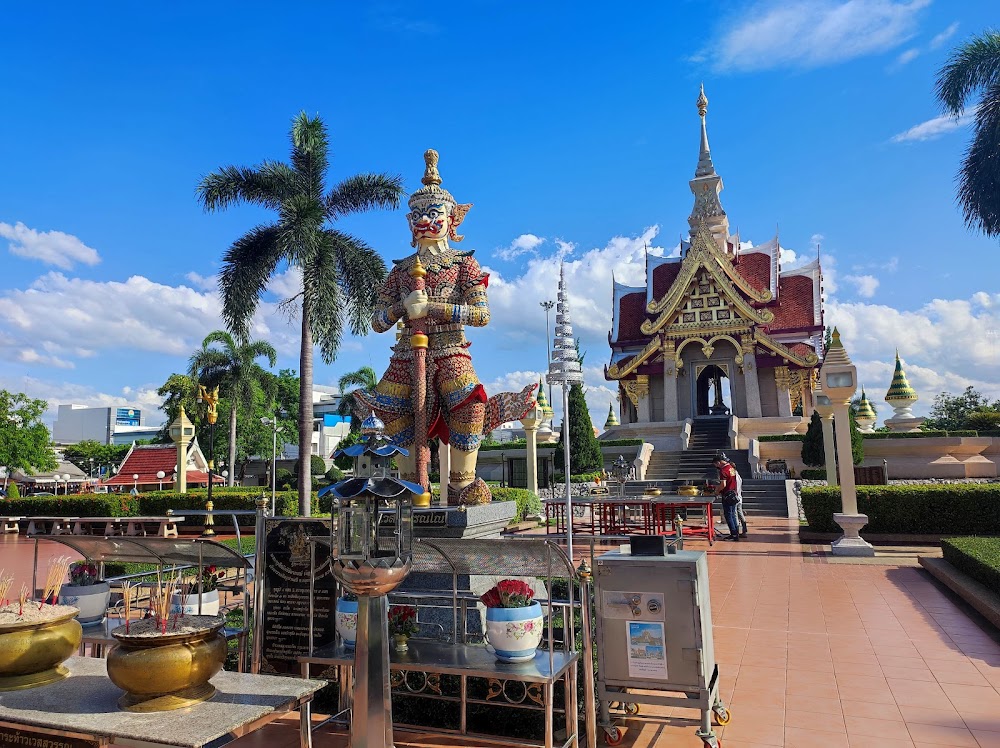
(620, 470)
(160, 475)
(825, 409)
(565, 369)
(211, 398)
(374, 548)
(547, 306)
(91, 467)
(135, 482)
(273, 423)
(839, 382)
(503, 469)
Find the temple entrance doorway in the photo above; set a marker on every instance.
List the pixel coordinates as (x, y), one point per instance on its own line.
(713, 394)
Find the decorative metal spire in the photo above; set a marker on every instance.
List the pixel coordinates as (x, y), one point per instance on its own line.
(900, 389)
(836, 353)
(564, 367)
(612, 418)
(865, 412)
(705, 166)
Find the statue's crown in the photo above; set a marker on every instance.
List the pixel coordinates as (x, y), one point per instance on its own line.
(432, 191)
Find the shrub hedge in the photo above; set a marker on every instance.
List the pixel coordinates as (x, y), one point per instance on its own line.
(515, 444)
(813, 474)
(620, 442)
(77, 505)
(527, 502)
(977, 557)
(946, 509)
(577, 477)
(881, 435)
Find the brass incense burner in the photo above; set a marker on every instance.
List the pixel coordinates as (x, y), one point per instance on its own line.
(170, 670)
(32, 652)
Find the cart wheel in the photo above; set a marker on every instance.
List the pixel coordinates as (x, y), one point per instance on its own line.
(613, 736)
(722, 715)
(631, 709)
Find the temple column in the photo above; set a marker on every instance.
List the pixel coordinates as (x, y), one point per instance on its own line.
(782, 380)
(645, 406)
(670, 414)
(752, 385)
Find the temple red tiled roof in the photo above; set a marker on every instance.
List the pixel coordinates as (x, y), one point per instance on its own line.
(147, 460)
(631, 313)
(663, 278)
(755, 267)
(796, 307)
(801, 349)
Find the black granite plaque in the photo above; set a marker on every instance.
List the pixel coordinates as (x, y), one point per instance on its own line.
(30, 737)
(286, 593)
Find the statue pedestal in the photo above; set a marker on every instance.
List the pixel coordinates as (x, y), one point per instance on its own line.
(851, 544)
(479, 521)
(904, 425)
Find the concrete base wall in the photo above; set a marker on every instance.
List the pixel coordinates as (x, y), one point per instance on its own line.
(934, 457)
(664, 436)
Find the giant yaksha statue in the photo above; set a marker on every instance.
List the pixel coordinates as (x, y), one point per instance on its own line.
(437, 292)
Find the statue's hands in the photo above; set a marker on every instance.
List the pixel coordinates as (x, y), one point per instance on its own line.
(416, 304)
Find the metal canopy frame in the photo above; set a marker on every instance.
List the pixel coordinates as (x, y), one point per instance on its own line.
(159, 551)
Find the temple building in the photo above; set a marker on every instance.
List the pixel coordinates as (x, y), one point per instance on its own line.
(723, 330)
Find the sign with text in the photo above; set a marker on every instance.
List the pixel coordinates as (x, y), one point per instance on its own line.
(12, 736)
(421, 518)
(127, 417)
(286, 593)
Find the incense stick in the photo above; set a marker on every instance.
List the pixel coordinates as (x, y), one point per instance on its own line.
(22, 598)
(127, 592)
(5, 584)
(58, 568)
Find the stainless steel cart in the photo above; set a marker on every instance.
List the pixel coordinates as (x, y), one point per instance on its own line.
(654, 633)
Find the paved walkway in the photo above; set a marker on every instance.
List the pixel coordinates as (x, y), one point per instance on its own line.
(815, 652)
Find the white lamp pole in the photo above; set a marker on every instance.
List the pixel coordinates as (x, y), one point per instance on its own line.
(160, 475)
(135, 482)
(825, 409)
(839, 382)
(66, 477)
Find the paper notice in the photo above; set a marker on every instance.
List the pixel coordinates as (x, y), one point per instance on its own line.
(647, 651)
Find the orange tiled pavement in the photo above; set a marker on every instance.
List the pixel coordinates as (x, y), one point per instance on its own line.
(815, 654)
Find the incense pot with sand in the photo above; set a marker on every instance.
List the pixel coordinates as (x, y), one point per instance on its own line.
(36, 637)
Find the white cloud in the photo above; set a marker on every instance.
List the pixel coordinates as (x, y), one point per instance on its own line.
(51, 247)
(939, 40)
(524, 244)
(61, 392)
(933, 128)
(947, 344)
(787, 257)
(812, 33)
(907, 56)
(31, 356)
(865, 285)
(202, 282)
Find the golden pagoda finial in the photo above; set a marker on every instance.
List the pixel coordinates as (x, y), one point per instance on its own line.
(417, 271)
(431, 173)
(835, 339)
(702, 102)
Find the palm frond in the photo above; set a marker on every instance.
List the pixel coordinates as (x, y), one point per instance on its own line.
(972, 66)
(364, 192)
(266, 186)
(310, 153)
(364, 377)
(327, 304)
(361, 272)
(979, 175)
(259, 349)
(222, 339)
(247, 266)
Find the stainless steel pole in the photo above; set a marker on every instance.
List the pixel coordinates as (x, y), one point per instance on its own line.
(274, 463)
(256, 651)
(569, 492)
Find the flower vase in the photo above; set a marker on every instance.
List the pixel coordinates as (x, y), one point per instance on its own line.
(347, 621)
(189, 605)
(91, 599)
(400, 642)
(514, 633)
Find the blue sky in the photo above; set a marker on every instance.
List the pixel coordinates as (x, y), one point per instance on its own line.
(570, 126)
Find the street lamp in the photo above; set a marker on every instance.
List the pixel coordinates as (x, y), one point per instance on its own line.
(620, 470)
(160, 475)
(839, 382)
(91, 467)
(275, 428)
(211, 399)
(135, 482)
(503, 469)
(547, 305)
(372, 544)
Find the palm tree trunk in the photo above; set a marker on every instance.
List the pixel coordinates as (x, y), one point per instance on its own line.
(305, 411)
(231, 480)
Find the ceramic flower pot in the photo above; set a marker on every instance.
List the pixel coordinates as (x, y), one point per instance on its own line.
(32, 651)
(347, 621)
(514, 633)
(209, 604)
(165, 671)
(91, 599)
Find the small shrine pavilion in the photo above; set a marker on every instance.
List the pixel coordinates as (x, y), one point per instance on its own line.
(722, 330)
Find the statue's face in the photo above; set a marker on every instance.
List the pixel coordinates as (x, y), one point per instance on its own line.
(429, 222)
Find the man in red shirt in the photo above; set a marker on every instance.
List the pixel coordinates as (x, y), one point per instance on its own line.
(728, 490)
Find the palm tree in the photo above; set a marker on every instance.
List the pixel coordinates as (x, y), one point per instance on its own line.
(231, 364)
(973, 68)
(341, 275)
(363, 379)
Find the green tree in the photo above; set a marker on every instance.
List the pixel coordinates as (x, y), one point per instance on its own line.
(984, 419)
(362, 379)
(951, 412)
(230, 363)
(341, 275)
(813, 453)
(857, 441)
(25, 443)
(179, 391)
(827, 339)
(971, 77)
(13, 492)
(585, 450)
(344, 462)
(103, 455)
